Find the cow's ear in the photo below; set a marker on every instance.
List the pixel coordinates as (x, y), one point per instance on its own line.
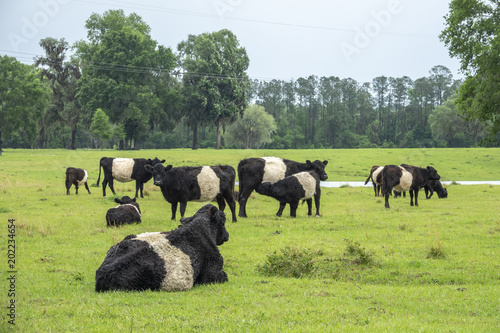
(134, 200)
(325, 162)
(168, 167)
(308, 162)
(162, 161)
(118, 200)
(148, 168)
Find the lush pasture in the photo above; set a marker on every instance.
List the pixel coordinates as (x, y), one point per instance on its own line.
(432, 268)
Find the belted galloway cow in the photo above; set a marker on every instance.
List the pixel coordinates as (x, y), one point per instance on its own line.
(77, 177)
(254, 171)
(127, 212)
(406, 178)
(292, 189)
(168, 261)
(125, 170)
(202, 184)
(376, 177)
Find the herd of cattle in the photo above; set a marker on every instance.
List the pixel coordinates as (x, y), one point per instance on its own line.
(188, 255)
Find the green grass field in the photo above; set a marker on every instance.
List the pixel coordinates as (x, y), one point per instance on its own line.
(361, 267)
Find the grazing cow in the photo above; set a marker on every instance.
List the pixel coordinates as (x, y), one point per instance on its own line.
(375, 175)
(292, 189)
(203, 183)
(127, 212)
(77, 177)
(406, 178)
(125, 170)
(435, 185)
(254, 171)
(168, 261)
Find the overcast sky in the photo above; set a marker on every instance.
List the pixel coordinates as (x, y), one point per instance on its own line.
(360, 39)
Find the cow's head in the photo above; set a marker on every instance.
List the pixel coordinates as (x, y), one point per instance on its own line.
(158, 171)
(217, 223)
(125, 200)
(319, 168)
(433, 175)
(154, 161)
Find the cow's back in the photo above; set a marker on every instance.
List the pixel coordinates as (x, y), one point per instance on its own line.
(122, 169)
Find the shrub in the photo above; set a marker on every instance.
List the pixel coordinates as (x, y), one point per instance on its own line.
(290, 262)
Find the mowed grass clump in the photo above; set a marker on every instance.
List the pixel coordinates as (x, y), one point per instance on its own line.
(362, 267)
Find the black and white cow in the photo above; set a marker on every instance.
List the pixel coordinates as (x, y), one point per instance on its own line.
(168, 261)
(406, 178)
(435, 186)
(125, 170)
(77, 177)
(202, 184)
(376, 177)
(292, 189)
(127, 212)
(254, 171)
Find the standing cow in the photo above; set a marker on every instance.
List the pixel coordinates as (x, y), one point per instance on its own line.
(375, 175)
(406, 178)
(168, 261)
(77, 177)
(125, 170)
(435, 186)
(202, 184)
(292, 189)
(254, 171)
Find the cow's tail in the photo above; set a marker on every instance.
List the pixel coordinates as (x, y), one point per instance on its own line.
(368, 179)
(99, 178)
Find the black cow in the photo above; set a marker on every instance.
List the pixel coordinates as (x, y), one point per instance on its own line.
(125, 170)
(435, 186)
(406, 178)
(77, 177)
(376, 177)
(292, 189)
(168, 261)
(254, 171)
(127, 212)
(203, 183)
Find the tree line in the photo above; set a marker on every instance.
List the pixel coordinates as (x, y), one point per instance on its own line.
(121, 89)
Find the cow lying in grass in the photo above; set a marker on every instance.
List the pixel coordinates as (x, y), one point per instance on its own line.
(77, 177)
(168, 261)
(127, 212)
(292, 189)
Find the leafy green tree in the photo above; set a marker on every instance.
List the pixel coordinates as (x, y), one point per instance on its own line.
(472, 34)
(215, 79)
(447, 125)
(63, 77)
(23, 98)
(100, 126)
(123, 70)
(252, 130)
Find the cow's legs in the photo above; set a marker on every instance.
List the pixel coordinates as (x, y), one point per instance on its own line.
(139, 186)
(228, 195)
(242, 199)
(173, 206)
(221, 202)
(309, 206)
(387, 200)
(76, 186)
(111, 186)
(280, 210)
(68, 185)
(293, 208)
(411, 198)
(416, 197)
(317, 201)
(182, 208)
(104, 184)
(87, 187)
